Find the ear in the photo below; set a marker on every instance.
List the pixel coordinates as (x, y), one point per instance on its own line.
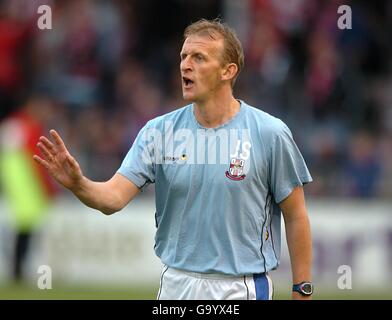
(229, 71)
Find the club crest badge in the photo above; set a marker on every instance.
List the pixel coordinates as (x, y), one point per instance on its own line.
(236, 170)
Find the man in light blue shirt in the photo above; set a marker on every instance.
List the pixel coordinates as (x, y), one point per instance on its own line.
(224, 172)
(203, 203)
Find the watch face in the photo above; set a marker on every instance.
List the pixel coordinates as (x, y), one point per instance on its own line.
(306, 288)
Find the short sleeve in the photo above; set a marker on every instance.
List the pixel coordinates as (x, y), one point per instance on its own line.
(287, 166)
(138, 165)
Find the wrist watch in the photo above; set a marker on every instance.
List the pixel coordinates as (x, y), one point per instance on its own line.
(305, 288)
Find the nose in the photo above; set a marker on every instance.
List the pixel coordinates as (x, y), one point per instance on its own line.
(185, 64)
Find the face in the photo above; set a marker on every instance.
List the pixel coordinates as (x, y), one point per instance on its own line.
(201, 67)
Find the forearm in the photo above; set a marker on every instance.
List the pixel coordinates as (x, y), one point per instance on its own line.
(97, 195)
(300, 248)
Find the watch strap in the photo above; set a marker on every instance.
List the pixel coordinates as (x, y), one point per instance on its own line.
(299, 288)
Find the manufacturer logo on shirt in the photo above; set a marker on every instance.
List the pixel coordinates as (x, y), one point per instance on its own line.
(236, 170)
(183, 157)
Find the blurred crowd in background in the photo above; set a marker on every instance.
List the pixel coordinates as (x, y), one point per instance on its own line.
(107, 67)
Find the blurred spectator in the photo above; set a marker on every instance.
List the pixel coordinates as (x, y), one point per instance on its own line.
(14, 34)
(27, 188)
(363, 166)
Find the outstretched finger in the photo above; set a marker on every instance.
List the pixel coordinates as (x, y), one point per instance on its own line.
(41, 161)
(58, 141)
(48, 144)
(45, 152)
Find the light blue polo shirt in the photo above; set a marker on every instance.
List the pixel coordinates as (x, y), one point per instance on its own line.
(217, 189)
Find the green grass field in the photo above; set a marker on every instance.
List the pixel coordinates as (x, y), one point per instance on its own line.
(23, 292)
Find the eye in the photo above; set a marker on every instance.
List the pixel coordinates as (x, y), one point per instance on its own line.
(199, 57)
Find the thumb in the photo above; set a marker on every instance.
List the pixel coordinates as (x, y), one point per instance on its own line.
(72, 162)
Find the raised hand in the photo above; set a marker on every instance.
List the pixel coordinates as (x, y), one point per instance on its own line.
(58, 161)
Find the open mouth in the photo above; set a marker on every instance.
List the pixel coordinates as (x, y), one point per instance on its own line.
(187, 82)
